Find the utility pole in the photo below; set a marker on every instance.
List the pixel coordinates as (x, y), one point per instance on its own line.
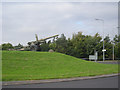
(113, 52)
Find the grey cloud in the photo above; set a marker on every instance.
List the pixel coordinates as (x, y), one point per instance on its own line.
(46, 19)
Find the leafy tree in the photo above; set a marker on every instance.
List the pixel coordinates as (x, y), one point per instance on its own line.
(19, 46)
(0, 47)
(61, 44)
(69, 49)
(118, 52)
(44, 47)
(108, 47)
(52, 46)
(116, 41)
(7, 46)
(78, 45)
(92, 43)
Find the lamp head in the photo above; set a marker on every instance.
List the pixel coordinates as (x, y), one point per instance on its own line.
(96, 19)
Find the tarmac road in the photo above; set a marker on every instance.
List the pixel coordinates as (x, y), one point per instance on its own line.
(108, 82)
(109, 62)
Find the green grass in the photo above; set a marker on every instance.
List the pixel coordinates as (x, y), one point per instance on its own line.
(26, 65)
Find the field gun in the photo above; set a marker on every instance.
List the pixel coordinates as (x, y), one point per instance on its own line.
(35, 45)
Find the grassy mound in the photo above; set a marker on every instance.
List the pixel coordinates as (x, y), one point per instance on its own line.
(26, 65)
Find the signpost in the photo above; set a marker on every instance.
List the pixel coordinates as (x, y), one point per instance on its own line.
(104, 54)
(104, 50)
(93, 57)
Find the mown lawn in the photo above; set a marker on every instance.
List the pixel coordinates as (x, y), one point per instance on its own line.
(27, 65)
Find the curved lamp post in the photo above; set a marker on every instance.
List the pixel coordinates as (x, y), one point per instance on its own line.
(103, 39)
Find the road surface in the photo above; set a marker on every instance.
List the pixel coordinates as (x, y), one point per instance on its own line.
(109, 62)
(108, 82)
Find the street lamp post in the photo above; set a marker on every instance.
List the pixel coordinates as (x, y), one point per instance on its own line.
(103, 39)
(113, 52)
(113, 45)
(118, 31)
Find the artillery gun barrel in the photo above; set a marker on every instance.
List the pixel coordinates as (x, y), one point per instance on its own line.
(44, 39)
(48, 38)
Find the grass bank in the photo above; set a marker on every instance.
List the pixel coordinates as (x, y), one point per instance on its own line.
(26, 65)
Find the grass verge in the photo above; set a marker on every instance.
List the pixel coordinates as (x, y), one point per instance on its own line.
(27, 65)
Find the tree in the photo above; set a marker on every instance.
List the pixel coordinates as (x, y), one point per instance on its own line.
(116, 41)
(52, 46)
(92, 44)
(69, 49)
(44, 47)
(61, 44)
(7, 46)
(78, 45)
(0, 47)
(108, 47)
(19, 46)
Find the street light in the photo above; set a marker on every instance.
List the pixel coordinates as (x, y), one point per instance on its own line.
(113, 34)
(103, 39)
(113, 52)
(118, 31)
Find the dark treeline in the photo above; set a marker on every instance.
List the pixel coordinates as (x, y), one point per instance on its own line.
(80, 46)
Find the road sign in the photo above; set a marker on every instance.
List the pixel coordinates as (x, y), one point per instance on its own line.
(93, 57)
(104, 50)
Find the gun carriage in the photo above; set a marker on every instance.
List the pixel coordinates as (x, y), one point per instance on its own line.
(35, 45)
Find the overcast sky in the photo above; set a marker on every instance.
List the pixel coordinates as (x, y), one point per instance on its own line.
(21, 21)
